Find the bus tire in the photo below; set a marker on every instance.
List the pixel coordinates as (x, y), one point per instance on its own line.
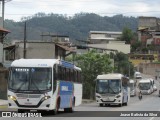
(120, 105)
(23, 111)
(126, 104)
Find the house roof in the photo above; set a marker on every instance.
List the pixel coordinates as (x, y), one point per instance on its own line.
(66, 48)
(105, 32)
(4, 30)
(142, 28)
(9, 47)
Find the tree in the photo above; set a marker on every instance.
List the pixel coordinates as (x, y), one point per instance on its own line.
(127, 35)
(136, 46)
(123, 65)
(92, 64)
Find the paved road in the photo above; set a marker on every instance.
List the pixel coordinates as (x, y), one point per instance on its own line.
(148, 103)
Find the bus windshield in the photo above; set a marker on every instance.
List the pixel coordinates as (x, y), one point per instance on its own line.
(108, 86)
(131, 85)
(144, 86)
(30, 79)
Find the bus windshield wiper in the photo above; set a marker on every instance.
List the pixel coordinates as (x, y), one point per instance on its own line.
(36, 86)
(112, 90)
(20, 87)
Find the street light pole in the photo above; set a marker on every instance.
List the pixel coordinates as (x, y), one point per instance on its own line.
(129, 70)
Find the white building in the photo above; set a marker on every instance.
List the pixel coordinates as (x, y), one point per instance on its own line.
(108, 40)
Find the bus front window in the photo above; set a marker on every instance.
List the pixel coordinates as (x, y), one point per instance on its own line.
(144, 86)
(114, 86)
(102, 86)
(40, 79)
(30, 79)
(108, 86)
(19, 79)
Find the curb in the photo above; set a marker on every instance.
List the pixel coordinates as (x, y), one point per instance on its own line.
(3, 106)
(87, 101)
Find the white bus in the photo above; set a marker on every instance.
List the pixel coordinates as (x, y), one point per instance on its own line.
(44, 84)
(145, 86)
(132, 86)
(112, 89)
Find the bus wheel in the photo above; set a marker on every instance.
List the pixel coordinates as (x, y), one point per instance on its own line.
(101, 104)
(126, 104)
(120, 105)
(70, 110)
(21, 111)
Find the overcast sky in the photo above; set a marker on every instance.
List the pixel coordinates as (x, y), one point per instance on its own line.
(16, 9)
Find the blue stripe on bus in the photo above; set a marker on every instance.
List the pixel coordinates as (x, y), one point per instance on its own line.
(66, 93)
(67, 64)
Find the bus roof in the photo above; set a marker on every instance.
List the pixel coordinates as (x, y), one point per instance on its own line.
(42, 63)
(144, 81)
(110, 76)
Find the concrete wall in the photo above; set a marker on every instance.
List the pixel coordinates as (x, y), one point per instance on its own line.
(147, 21)
(150, 69)
(36, 50)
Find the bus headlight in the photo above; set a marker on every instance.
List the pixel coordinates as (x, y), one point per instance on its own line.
(118, 96)
(45, 98)
(12, 97)
(98, 96)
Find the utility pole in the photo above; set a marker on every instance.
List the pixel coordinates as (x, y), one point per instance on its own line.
(24, 51)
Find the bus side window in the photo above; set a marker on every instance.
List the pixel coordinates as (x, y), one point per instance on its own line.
(63, 77)
(55, 77)
(71, 74)
(67, 74)
(78, 76)
(75, 76)
(59, 72)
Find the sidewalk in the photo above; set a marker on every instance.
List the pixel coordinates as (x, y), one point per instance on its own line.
(3, 102)
(84, 101)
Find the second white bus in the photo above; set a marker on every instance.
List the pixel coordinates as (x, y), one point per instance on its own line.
(112, 89)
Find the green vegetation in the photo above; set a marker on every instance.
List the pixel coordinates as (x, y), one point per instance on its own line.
(122, 64)
(93, 64)
(76, 27)
(127, 35)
